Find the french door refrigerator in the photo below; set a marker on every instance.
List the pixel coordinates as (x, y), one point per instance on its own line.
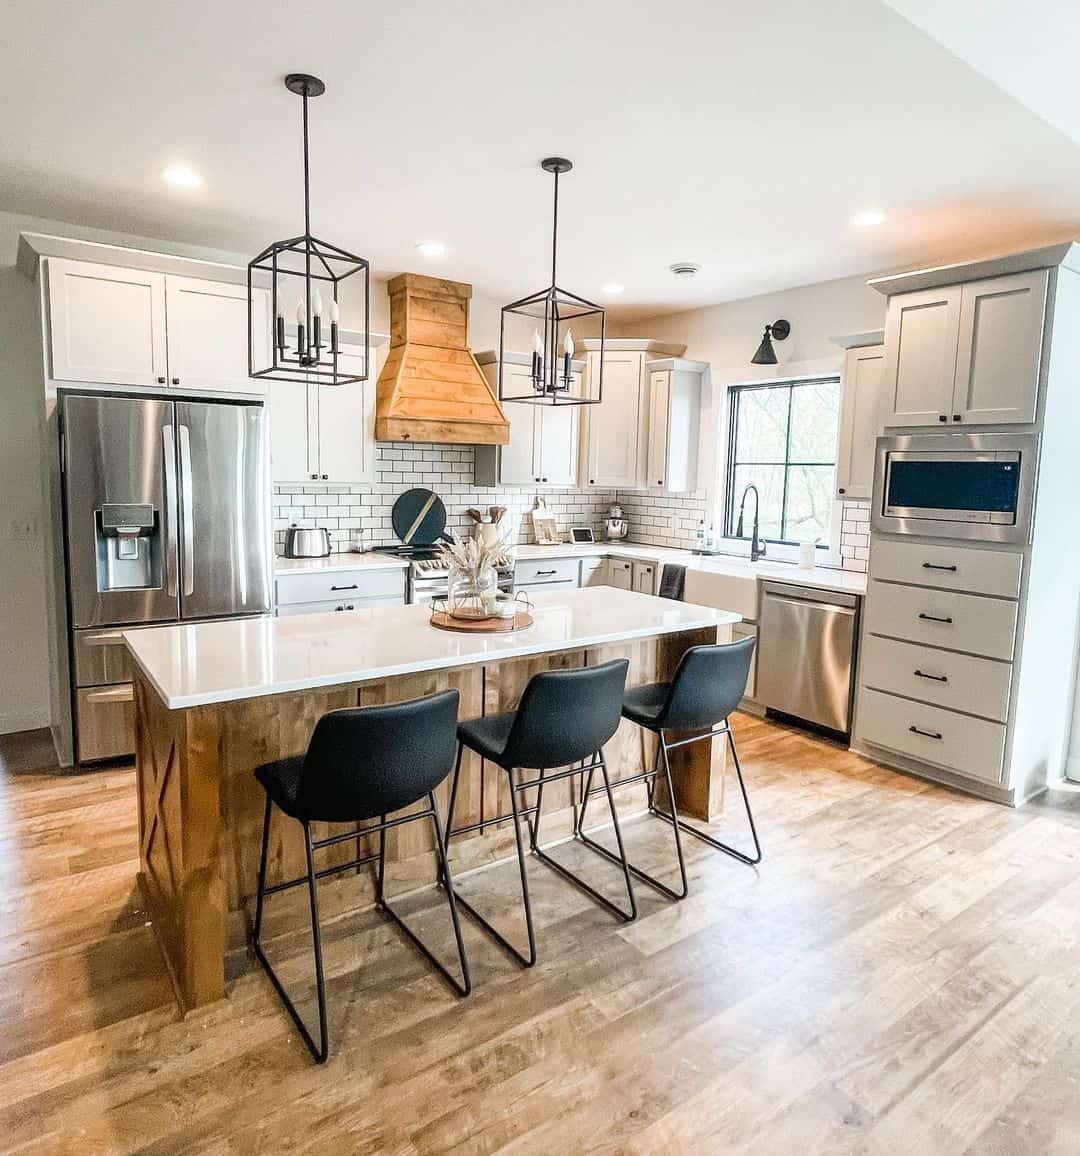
(166, 519)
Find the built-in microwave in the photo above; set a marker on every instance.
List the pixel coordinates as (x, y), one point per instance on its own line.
(978, 486)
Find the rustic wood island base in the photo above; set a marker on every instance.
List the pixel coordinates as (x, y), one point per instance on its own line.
(200, 808)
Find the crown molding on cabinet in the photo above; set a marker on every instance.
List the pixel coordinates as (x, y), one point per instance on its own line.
(1067, 253)
(859, 340)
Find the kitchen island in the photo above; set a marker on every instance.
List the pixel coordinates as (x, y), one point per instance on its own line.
(214, 700)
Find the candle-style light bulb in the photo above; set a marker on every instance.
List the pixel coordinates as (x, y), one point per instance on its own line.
(568, 344)
(316, 304)
(335, 314)
(537, 359)
(301, 346)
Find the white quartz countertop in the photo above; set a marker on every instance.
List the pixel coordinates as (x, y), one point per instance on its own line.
(818, 577)
(334, 563)
(195, 664)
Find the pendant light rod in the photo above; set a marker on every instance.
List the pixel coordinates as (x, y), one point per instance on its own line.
(555, 165)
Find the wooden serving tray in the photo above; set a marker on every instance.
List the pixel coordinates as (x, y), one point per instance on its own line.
(444, 621)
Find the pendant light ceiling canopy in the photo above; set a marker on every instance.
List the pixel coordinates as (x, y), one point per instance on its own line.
(552, 324)
(300, 278)
(766, 355)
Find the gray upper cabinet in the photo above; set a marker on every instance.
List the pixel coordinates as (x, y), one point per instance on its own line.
(860, 421)
(920, 356)
(1000, 349)
(965, 354)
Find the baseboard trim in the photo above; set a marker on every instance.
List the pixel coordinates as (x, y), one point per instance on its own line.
(981, 790)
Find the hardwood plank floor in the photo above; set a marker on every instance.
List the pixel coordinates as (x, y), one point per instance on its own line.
(899, 975)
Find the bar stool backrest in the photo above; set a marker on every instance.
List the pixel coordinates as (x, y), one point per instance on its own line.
(566, 715)
(708, 683)
(371, 760)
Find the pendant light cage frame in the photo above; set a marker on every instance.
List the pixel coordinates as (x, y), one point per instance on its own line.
(552, 310)
(309, 350)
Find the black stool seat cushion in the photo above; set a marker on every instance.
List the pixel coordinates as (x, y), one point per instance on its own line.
(487, 736)
(644, 704)
(708, 684)
(281, 781)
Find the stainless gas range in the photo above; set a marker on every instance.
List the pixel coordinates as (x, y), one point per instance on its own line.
(427, 576)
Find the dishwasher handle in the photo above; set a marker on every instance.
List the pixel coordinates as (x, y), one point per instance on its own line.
(816, 603)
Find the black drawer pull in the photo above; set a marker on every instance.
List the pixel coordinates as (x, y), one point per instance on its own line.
(354, 586)
(925, 734)
(545, 573)
(931, 566)
(935, 618)
(935, 677)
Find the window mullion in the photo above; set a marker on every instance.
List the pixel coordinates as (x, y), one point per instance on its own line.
(787, 466)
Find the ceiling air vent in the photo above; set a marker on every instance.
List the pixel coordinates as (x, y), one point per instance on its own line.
(685, 268)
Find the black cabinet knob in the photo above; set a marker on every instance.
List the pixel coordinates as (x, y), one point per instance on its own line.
(841, 490)
(176, 381)
(543, 479)
(161, 381)
(314, 477)
(942, 417)
(325, 476)
(956, 417)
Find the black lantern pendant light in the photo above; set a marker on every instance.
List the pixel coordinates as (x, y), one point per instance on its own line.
(555, 315)
(766, 355)
(298, 271)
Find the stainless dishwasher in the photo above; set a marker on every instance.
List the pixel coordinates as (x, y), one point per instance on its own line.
(806, 653)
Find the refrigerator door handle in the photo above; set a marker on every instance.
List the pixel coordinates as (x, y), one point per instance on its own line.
(187, 527)
(168, 447)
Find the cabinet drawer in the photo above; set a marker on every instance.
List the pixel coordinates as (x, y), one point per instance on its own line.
(985, 626)
(342, 602)
(541, 570)
(101, 657)
(956, 742)
(547, 584)
(105, 722)
(594, 572)
(948, 567)
(958, 681)
(342, 584)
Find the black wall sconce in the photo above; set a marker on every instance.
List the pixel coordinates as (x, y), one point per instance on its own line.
(766, 355)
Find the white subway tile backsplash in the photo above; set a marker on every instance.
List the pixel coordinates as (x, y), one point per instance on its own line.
(656, 519)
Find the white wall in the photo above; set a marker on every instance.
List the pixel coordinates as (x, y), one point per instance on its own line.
(727, 335)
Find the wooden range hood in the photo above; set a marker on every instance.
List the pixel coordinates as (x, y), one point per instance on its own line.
(430, 388)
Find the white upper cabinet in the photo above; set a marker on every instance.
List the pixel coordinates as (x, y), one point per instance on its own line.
(860, 421)
(543, 446)
(346, 440)
(966, 354)
(674, 410)
(558, 443)
(1000, 349)
(920, 356)
(615, 444)
(207, 326)
(322, 432)
(109, 325)
(106, 324)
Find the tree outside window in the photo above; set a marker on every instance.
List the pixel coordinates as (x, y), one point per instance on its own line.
(782, 438)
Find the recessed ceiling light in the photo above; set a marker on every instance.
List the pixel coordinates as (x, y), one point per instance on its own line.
(181, 176)
(613, 288)
(685, 268)
(868, 218)
(432, 248)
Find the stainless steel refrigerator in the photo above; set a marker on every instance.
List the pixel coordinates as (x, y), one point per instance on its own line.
(166, 519)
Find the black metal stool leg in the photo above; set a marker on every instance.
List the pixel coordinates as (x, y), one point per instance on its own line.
(257, 928)
(580, 883)
(704, 836)
(637, 872)
(450, 808)
(464, 986)
(321, 1050)
(525, 960)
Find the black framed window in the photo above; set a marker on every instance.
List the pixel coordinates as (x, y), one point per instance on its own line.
(782, 438)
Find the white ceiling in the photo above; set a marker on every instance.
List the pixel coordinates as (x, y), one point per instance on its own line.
(741, 134)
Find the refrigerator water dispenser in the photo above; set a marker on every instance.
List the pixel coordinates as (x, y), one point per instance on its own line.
(128, 550)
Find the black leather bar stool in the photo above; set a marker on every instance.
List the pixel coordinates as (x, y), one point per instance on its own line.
(361, 764)
(564, 717)
(708, 684)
